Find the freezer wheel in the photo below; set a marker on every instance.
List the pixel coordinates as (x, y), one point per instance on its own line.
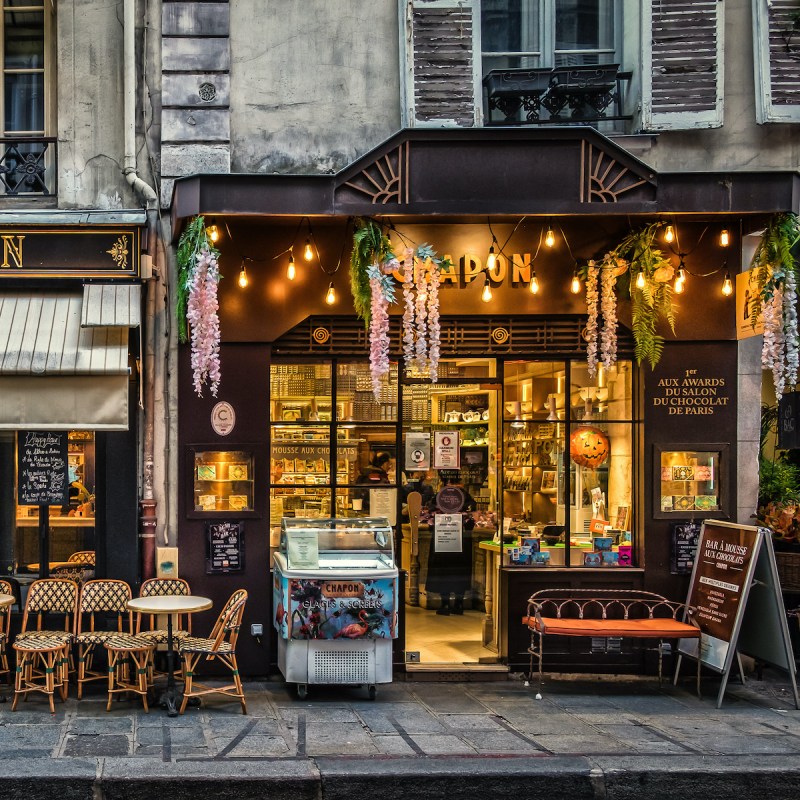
(373, 690)
(302, 690)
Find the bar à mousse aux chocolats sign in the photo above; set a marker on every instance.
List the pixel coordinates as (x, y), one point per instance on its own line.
(691, 393)
(69, 252)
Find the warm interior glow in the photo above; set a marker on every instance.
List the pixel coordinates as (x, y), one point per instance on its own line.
(308, 253)
(640, 281)
(491, 259)
(330, 297)
(549, 237)
(243, 277)
(727, 285)
(213, 233)
(669, 234)
(534, 284)
(291, 271)
(680, 281)
(724, 238)
(575, 286)
(486, 294)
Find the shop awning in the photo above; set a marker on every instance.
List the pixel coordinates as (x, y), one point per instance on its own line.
(55, 374)
(107, 304)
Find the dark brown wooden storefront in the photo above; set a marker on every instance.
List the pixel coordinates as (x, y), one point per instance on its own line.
(443, 187)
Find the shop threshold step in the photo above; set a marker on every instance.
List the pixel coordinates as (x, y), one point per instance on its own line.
(456, 672)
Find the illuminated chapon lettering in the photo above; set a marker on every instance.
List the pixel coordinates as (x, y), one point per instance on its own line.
(10, 248)
(469, 267)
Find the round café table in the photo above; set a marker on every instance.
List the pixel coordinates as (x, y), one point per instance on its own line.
(5, 601)
(170, 605)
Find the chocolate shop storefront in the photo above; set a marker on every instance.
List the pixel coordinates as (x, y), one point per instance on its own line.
(548, 446)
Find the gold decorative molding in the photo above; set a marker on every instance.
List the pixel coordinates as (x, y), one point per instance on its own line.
(603, 178)
(500, 335)
(386, 179)
(321, 335)
(119, 252)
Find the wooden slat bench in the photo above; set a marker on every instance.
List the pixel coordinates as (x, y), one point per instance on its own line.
(606, 613)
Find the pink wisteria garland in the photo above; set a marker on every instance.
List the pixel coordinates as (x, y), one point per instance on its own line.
(434, 331)
(774, 343)
(608, 307)
(603, 338)
(409, 351)
(201, 312)
(382, 290)
(591, 323)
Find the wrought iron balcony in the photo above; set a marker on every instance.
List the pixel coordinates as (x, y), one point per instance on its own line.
(28, 166)
(585, 94)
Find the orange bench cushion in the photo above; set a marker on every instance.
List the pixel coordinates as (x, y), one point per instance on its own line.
(632, 628)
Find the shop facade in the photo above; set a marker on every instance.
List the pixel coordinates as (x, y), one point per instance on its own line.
(541, 446)
(70, 324)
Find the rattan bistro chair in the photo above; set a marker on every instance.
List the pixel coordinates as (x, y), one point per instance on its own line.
(147, 624)
(43, 653)
(85, 558)
(220, 645)
(5, 625)
(103, 613)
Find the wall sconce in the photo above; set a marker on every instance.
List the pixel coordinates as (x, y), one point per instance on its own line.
(724, 238)
(575, 285)
(330, 295)
(291, 271)
(669, 234)
(486, 294)
(243, 277)
(727, 285)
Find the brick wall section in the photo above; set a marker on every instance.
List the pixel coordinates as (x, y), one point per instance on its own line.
(195, 74)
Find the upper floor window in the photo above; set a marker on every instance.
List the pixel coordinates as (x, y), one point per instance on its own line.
(547, 33)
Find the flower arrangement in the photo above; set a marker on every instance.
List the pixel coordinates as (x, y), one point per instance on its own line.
(775, 297)
(197, 303)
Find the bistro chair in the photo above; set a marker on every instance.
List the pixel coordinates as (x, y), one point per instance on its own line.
(84, 557)
(220, 645)
(103, 612)
(130, 666)
(43, 653)
(162, 587)
(73, 573)
(5, 626)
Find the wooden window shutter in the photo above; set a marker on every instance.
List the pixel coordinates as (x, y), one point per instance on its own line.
(776, 51)
(682, 64)
(440, 72)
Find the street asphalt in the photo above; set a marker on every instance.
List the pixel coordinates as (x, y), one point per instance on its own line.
(587, 737)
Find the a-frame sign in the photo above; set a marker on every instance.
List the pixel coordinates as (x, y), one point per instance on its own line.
(736, 599)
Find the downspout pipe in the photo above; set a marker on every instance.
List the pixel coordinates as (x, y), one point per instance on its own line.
(148, 518)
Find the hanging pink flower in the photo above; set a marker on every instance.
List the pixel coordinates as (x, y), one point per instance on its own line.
(591, 323)
(201, 312)
(409, 353)
(434, 331)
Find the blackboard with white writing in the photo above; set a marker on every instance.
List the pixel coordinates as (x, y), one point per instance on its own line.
(42, 472)
(224, 547)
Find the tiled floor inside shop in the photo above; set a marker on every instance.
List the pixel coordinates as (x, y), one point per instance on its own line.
(454, 639)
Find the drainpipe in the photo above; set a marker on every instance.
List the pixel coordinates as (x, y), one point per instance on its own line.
(148, 516)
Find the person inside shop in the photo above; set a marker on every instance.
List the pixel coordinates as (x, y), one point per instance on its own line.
(375, 474)
(450, 571)
(417, 482)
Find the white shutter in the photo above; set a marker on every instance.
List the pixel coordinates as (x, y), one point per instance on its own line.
(682, 64)
(776, 55)
(440, 73)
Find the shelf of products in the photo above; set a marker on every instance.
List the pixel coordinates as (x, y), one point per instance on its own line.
(690, 482)
(223, 481)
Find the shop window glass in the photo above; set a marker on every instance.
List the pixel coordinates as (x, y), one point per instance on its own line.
(223, 481)
(300, 392)
(355, 400)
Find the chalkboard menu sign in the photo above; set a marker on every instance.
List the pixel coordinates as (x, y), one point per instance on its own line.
(42, 468)
(224, 547)
(789, 421)
(685, 536)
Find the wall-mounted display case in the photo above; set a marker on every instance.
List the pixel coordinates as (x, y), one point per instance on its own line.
(222, 482)
(691, 481)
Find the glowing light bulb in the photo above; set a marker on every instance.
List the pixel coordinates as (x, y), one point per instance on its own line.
(213, 233)
(243, 277)
(727, 285)
(308, 253)
(534, 284)
(575, 286)
(640, 281)
(549, 237)
(724, 238)
(669, 234)
(486, 294)
(491, 259)
(330, 297)
(679, 286)
(291, 271)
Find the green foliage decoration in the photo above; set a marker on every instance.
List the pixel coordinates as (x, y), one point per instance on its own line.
(370, 245)
(193, 239)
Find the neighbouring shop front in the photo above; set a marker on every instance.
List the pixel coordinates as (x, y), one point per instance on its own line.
(70, 318)
(558, 472)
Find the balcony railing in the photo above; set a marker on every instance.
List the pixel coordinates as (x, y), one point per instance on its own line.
(28, 166)
(585, 94)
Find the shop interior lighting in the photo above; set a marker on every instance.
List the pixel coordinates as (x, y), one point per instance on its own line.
(534, 284)
(491, 259)
(486, 294)
(549, 237)
(308, 253)
(640, 280)
(575, 286)
(551, 405)
(680, 280)
(330, 295)
(724, 238)
(291, 270)
(243, 277)
(669, 234)
(727, 284)
(213, 233)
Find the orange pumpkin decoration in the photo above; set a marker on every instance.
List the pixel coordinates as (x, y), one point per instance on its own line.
(589, 446)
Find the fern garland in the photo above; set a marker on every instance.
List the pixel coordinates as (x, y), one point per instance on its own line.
(192, 241)
(370, 245)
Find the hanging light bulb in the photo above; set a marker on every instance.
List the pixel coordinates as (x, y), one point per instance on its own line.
(575, 286)
(491, 259)
(486, 294)
(308, 253)
(669, 234)
(680, 281)
(291, 272)
(534, 284)
(640, 281)
(549, 237)
(243, 277)
(727, 285)
(213, 233)
(724, 238)
(330, 297)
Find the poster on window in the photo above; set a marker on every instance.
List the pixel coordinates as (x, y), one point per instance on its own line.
(418, 451)
(446, 450)
(447, 533)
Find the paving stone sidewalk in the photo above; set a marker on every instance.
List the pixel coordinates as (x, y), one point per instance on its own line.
(592, 737)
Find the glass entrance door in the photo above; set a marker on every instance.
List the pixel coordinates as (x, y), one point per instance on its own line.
(451, 449)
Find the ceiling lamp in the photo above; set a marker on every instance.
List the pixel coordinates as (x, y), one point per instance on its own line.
(291, 271)
(213, 233)
(243, 277)
(330, 296)
(724, 238)
(486, 294)
(549, 237)
(575, 285)
(308, 253)
(669, 234)
(727, 285)
(680, 281)
(534, 284)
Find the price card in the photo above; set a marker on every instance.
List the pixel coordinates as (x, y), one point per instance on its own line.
(447, 533)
